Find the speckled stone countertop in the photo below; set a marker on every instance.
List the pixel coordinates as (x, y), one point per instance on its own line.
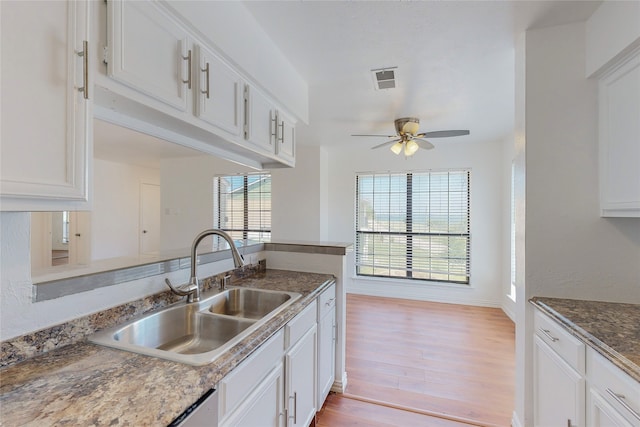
(87, 384)
(612, 329)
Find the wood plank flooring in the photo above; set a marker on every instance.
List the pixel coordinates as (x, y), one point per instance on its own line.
(415, 363)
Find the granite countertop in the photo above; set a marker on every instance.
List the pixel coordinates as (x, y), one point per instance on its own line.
(87, 384)
(612, 329)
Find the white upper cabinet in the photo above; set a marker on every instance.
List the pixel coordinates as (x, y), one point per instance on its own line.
(150, 52)
(286, 139)
(46, 105)
(219, 96)
(259, 120)
(166, 78)
(619, 139)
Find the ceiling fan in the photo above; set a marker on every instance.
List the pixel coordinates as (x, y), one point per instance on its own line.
(408, 140)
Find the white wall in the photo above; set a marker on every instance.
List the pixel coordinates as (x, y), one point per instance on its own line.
(299, 197)
(571, 251)
(115, 218)
(485, 160)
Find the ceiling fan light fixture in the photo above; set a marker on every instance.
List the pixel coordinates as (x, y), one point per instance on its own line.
(410, 148)
(397, 147)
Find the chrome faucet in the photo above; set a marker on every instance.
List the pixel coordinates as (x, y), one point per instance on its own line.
(192, 289)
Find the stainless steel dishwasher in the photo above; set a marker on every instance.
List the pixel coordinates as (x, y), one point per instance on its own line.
(202, 413)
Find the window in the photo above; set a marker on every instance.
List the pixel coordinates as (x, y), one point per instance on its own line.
(242, 207)
(413, 225)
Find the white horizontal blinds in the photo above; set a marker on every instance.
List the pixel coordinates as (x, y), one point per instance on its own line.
(243, 207)
(414, 225)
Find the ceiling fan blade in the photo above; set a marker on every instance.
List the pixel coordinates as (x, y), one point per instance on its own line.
(383, 136)
(443, 133)
(384, 144)
(424, 144)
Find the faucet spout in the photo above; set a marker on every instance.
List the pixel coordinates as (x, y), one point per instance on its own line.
(192, 289)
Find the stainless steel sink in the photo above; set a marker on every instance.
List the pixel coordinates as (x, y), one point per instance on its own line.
(198, 333)
(248, 303)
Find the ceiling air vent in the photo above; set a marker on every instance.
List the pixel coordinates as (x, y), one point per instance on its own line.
(384, 78)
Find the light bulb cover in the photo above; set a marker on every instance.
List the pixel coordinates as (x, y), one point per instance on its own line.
(410, 148)
(397, 147)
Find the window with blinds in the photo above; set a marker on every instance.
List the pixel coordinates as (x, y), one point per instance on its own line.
(414, 225)
(242, 207)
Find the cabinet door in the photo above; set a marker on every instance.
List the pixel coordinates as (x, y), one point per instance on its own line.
(264, 407)
(601, 414)
(300, 368)
(150, 52)
(286, 136)
(219, 95)
(259, 121)
(559, 391)
(326, 355)
(46, 119)
(619, 140)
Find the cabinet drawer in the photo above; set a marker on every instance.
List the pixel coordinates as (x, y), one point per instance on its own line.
(326, 301)
(609, 380)
(238, 384)
(299, 325)
(571, 349)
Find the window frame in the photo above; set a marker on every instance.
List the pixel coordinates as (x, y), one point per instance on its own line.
(246, 230)
(410, 234)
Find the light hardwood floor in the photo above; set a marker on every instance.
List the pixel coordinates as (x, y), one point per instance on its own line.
(414, 363)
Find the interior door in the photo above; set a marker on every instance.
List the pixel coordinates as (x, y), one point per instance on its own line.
(149, 218)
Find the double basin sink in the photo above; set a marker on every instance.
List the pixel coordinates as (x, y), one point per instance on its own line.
(199, 332)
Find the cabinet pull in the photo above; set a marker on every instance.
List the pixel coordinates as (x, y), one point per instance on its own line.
(620, 399)
(85, 69)
(569, 423)
(274, 124)
(206, 71)
(281, 139)
(188, 59)
(547, 333)
(247, 112)
(328, 303)
(295, 407)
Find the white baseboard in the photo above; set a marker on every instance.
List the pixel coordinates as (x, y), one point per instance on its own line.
(443, 293)
(515, 422)
(339, 386)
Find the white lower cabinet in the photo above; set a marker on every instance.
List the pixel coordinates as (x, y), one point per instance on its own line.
(263, 408)
(614, 397)
(326, 344)
(300, 368)
(576, 386)
(253, 391)
(278, 384)
(558, 366)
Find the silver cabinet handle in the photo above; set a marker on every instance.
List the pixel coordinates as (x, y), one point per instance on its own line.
(85, 69)
(295, 407)
(206, 71)
(547, 333)
(620, 399)
(328, 303)
(247, 112)
(281, 139)
(188, 59)
(274, 124)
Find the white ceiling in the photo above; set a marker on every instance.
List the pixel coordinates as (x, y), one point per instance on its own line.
(455, 62)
